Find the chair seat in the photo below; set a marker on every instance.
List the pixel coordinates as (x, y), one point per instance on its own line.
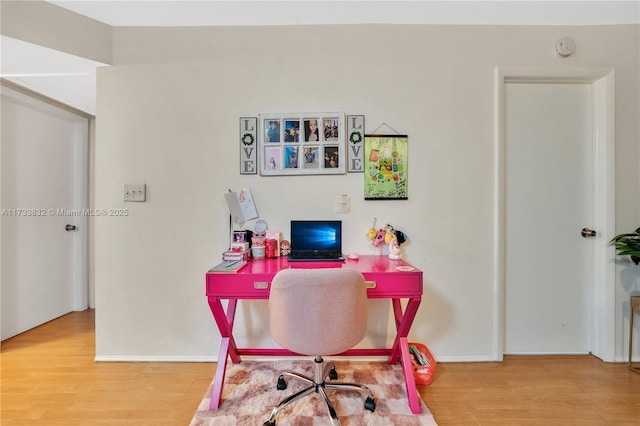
(318, 311)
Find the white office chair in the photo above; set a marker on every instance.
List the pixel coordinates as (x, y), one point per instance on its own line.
(318, 312)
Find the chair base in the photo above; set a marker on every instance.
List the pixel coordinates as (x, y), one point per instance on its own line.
(318, 385)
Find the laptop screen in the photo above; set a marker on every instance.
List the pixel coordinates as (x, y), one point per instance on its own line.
(316, 235)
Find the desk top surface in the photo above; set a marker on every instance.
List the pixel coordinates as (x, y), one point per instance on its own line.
(365, 264)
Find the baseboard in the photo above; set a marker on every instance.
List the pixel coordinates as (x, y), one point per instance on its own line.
(151, 358)
(466, 358)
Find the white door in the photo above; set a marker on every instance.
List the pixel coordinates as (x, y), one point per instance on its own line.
(549, 199)
(43, 190)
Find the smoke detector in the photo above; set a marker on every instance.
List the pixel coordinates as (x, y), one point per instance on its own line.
(565, 46)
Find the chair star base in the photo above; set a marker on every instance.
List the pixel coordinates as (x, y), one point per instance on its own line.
(318, 385)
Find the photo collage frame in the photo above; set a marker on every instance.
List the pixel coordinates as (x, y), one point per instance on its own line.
(301, 144)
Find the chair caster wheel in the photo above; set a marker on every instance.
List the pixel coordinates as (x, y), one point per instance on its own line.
(333, 374)
(268, 423)
(370, 404)
(282, 385)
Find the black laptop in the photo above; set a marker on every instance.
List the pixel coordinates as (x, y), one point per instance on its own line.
(316, 241)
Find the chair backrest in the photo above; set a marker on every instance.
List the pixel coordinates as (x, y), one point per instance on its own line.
(318, 311)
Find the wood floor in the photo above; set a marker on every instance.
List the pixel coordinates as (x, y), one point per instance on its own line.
(48, 377)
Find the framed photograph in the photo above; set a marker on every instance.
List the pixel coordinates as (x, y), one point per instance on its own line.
(273, 157)
(292, 131)
(331, 157)
(311, 157)
(291, 157)
(301, 144)
(271, 131)
(311, 130)
(386, 172)
(330, 127)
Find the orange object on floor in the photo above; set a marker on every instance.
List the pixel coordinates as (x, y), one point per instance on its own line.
(423, 373)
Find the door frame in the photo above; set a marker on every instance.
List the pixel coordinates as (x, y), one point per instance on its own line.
(602, 81)
(82, 129)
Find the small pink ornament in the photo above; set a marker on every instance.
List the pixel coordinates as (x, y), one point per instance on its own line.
(379, 238)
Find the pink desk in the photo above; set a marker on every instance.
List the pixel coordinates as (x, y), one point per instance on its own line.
(386, 279)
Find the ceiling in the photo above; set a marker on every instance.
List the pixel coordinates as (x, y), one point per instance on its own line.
(244, 12)
(72, 80)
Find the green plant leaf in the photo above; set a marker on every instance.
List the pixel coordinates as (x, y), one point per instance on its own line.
(628, 245)
(625, 237)
(629, 252)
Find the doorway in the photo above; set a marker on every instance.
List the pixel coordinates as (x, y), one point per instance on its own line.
(44, 211)
(542, 313)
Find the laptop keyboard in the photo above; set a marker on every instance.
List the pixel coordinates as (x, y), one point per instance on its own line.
(314, 256)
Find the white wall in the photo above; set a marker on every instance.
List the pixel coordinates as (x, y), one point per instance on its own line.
(43, 24)
(168, 117)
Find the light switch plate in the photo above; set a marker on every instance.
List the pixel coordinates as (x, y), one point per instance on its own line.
(134, 192)
(343, 203)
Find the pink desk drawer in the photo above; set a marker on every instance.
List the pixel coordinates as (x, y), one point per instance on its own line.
(399, 285)
(254, 286)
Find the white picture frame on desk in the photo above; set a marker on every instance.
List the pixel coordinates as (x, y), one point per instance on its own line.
(302, 143)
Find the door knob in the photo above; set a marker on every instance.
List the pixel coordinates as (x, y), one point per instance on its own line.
(588, 233)
(70, 228)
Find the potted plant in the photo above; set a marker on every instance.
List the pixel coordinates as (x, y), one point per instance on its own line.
(628, 244)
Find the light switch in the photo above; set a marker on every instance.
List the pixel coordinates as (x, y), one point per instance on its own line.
(343, 203)
(134, 192)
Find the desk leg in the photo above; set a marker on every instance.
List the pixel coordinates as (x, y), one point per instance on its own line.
(400, 349)
(228, 347)
(409, 379)
(218, 380)
(225, 325)
(403, 325)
